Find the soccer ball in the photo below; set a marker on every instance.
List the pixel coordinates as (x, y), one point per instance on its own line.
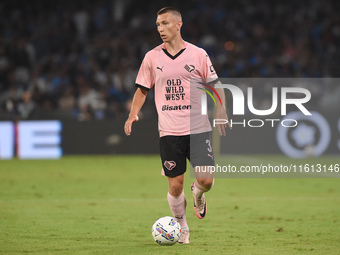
(166, 231)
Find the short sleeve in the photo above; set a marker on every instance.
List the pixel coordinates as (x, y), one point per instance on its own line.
(146, 77)
(209, 72)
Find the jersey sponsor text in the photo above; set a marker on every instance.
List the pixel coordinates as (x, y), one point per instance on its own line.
(176, 107)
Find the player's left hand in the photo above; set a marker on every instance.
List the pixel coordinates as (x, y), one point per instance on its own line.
(222, 114)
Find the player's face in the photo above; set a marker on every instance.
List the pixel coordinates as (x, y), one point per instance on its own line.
(168, 26)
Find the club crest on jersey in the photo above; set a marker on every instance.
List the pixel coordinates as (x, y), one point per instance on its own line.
(169, 165)
(189, 68)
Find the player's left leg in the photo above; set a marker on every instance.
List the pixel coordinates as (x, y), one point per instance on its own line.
(198, 188)
(202, 160)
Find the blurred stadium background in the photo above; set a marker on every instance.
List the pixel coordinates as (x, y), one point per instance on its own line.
(76, 61)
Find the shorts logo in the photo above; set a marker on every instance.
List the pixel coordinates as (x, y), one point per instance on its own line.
(169, 165)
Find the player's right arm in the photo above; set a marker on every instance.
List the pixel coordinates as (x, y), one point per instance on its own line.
(137, 103)
(144, 81)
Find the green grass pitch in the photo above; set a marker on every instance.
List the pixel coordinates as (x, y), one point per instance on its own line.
(107, 205)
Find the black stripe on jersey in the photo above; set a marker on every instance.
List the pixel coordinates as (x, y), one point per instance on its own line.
(213, 82)
(142, 87)
(173, 57)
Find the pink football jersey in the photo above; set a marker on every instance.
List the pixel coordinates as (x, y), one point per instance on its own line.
(176, 92)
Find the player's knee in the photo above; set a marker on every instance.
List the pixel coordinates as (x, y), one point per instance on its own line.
(206, 183)
(176, 187)
(175, 191)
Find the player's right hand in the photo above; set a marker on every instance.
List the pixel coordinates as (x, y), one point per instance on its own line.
(128, 124)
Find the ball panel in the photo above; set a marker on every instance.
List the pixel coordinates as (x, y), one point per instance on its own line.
(166, 230)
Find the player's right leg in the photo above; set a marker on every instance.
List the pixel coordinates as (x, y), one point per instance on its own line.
(172, 149)
(178, 203)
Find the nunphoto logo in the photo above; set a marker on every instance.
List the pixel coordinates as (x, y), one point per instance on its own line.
(239, 104)
(298, 117)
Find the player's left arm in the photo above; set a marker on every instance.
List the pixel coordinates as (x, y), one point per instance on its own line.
(221, 112)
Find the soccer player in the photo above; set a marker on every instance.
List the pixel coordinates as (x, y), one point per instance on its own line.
(170, 68)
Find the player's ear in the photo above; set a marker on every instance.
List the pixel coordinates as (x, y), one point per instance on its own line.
(179, 25)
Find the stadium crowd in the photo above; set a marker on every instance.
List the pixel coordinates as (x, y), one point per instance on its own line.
(79, 59)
